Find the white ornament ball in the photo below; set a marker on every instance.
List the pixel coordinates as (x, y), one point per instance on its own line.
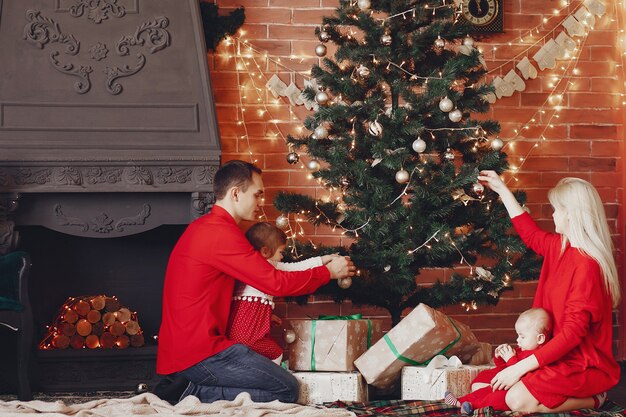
(320, 132)
(363, 71)
(320, 50)
(364, 4)
(497, 144)
(402, 176)
(478, 189)
(282, 222)
(324, 36)
(419, 145)
(290, 336)
(313, 165)
(445, 105)
(386, 39)
(439, 43)
(375, 129)
(448, 155)
(344, 282)
(293, 158)
(468, 41)
(455, 115)
(322, 98)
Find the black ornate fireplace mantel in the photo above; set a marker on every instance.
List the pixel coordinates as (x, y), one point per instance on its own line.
(107, 122)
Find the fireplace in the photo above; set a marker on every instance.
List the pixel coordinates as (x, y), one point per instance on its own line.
(108, 147)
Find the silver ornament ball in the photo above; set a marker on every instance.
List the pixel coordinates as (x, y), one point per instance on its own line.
(439, 43)
(364, 4)
(322, 98)
(324, 36)
(446, 105)
(293, 158)
(344, 181)
(282, 222)
(448, 155)
(141, 388)
(386, 39)
(320, 132)
(375, 129)
(468, 41)
(290, 336)
(363, 71)
(402, 176)
(419, 145)
(344, 282)
(320, 50)
(478, 189)
(313, 165)
(455, 115)
(497, 144)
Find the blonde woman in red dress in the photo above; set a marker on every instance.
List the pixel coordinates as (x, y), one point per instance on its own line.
(251, 311)
(579, 287)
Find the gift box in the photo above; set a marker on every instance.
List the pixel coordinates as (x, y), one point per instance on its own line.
(420, 336)
(331, 343)
(421, 383)
(467, 345)
(483, 355)
(321, 387)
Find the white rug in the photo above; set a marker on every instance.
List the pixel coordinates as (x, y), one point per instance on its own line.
(150, 405)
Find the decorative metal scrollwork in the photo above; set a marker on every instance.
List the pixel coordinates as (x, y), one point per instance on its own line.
(98, 10)
(126, 71)
(43, 30)
(153, 32)
(82, 72)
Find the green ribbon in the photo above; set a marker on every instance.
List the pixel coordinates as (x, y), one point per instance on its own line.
(443, 351)
(357, 316)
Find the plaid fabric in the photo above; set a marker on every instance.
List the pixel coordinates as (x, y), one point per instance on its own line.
(389, 408)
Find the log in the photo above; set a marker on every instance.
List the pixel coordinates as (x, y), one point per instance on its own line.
(98, 302)
(82, 307)
(92, 341)
(70, 316)
(122, 342)
(123, 314)
(108, 319)
(107, 340)
(93, 316)
(67, 329)
(111, 305)
(97, 328)
(83, 327)
(137, 340)
(117, 329)
(60, 341)
(77, 342)
(132, 327)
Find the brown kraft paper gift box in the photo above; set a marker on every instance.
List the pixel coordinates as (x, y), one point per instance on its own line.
(421, 335)
(337, 343)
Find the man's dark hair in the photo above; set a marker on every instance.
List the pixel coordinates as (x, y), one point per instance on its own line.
(233, 173)
(266, 234)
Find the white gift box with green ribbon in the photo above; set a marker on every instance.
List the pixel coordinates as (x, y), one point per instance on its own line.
(331, 343)
(322, 387)
(423, 334)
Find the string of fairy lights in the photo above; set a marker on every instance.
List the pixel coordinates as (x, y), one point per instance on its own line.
(544, 116)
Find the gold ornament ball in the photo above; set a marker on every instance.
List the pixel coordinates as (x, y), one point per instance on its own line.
(344, 282)
(293, 158)
(439, 43)
(497, 144)
(468, 41)
(313, 165)
(448, 155)
(402, 176)
(320, 132)
(478, 189)
(455, 115)
(322, 98)
(282, 222)
(290, 336)
(446, 105)
(386, 39)
(324, 36)
(363, 71)
(364, 4)
(419, 145)
(320, 50)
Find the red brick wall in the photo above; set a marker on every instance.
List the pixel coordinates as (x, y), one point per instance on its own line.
(585, 140)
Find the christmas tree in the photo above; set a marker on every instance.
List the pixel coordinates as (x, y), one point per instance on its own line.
(394, 143)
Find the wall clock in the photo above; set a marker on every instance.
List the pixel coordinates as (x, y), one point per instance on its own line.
(483, 15)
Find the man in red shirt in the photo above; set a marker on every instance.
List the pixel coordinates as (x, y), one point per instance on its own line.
(211, 254)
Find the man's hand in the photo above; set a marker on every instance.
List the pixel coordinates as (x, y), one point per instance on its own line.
(341, 267)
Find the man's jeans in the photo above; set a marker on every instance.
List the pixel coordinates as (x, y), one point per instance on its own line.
(239, 369)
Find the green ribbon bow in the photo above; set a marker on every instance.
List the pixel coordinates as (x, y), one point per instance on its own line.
(357, 316)
(443, 351)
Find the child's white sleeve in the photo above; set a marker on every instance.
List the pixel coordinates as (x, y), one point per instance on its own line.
(299, 266)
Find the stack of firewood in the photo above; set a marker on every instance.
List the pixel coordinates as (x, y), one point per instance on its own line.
(93, 322)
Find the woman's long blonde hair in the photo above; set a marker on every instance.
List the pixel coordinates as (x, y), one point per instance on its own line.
(588, 228)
